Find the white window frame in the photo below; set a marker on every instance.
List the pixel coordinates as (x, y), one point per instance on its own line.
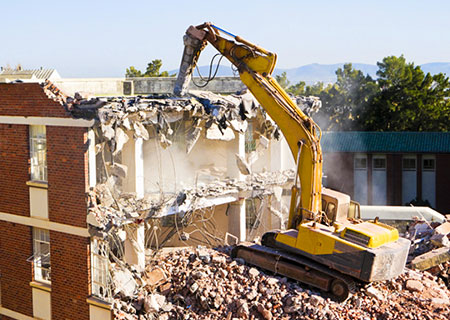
(101, 281)
(379, 157)
(42, 272)
(428, 157)
(360, 157)
(409, 157)
(38, 153)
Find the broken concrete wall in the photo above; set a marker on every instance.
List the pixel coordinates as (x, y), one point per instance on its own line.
(173, 169)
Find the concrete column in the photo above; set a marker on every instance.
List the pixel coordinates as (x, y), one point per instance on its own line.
(92, 163)
(135, 241)
(235, 146)
(139, 166)
(135, 245)
(237, 224)
(128, 159)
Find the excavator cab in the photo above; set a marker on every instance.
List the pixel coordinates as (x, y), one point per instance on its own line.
(337, 207)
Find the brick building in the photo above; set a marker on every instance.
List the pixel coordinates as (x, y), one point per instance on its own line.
(389, 168)
(54, 257)
(44, 165)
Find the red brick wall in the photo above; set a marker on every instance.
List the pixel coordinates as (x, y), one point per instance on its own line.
(338, 168)
(67, 178)
(67, 164)
(70, 276)
(14, 155)
(15, 249)
(442, 183)
(28, 99)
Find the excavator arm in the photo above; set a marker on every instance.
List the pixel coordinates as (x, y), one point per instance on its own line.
(255, 66)
(327, 257)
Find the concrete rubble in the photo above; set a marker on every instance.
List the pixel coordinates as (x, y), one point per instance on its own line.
(201, 283)
(108, 211)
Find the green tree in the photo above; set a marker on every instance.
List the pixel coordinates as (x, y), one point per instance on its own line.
(283, 80)
(346, 100)
(133, 72)
(408, 99)
(297, 89)
(153, 70)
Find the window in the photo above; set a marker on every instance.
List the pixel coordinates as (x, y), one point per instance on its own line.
(379, 163)
(38, 153)
(41, 254)
(100, 269)
(361, 163)
(409, 164)
(428, 164)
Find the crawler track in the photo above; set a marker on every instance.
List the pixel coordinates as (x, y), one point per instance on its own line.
(298, 268)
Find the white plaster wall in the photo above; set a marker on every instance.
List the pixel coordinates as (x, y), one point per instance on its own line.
(97, 313)
(171, 169)
(429, 182)
(379, 183)
(95, 86)
(41, 304)
(39, 203)
(129, 184)
(409, 182)
(409, 186)
(280, 155)
(360, 185)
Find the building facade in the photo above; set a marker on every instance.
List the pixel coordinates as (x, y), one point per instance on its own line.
(389, 168)
(72, 178)
(44, 239)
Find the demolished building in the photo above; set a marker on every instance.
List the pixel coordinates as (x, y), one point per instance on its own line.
(116, 178)
(94, 187)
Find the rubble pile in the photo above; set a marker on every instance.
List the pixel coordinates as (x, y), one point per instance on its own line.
(207, 284)
(430, 248)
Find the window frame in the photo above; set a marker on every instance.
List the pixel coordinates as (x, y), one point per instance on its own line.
(41, 273)
(38, 158)
(407, 168)
(100, 277)
(378, 158)
(359, 158)
(429, 168)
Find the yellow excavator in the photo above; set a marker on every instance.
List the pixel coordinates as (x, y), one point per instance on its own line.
(325, 245)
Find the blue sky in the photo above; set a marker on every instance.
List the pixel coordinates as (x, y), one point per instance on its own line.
(102, 38)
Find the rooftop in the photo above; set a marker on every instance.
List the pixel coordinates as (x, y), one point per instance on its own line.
(357, 141)
(34, 74)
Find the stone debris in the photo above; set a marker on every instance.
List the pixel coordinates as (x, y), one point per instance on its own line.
(107, 210)
(203, 283)
(430, 244)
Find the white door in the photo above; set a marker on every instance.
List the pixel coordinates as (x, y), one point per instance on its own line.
(379, 194)
(409, 178)
(429, 179)
(360, 178)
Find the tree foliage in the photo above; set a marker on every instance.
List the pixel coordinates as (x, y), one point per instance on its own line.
(283, 80)
(153, 70)
(403, 98)
(408, 99)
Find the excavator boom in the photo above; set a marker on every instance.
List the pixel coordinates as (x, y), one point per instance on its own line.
(255, 66)
(328, 256)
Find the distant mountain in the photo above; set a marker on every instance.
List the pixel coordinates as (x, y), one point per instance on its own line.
(315, 72)
(312, 73)
(436, 67)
